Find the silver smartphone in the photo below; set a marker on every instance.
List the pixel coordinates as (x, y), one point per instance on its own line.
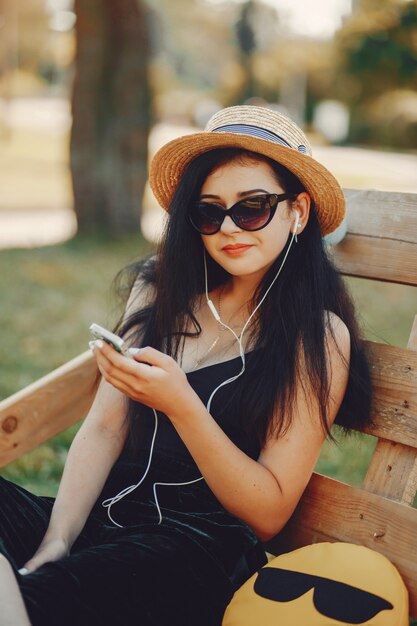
(114, 340)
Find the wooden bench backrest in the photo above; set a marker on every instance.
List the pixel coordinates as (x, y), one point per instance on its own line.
(381, 244)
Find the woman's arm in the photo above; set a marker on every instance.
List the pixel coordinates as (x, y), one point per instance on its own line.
(262, 493)
(95, 448)
(92, 454)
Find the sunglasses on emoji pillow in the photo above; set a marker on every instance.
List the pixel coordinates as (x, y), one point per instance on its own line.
(324, 584)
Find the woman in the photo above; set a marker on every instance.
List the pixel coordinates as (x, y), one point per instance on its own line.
(249, 352)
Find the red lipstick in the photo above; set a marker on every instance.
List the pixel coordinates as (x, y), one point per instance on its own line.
(236, 249)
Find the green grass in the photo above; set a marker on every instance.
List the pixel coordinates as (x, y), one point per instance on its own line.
(348, 459)
(51, 295)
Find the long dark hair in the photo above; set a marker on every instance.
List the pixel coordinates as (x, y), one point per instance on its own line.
(292, 315)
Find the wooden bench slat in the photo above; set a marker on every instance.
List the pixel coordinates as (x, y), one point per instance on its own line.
(46, 407)
(333, 511)
(387, 214)
(376, 258)
(392, 471)
(394, 378)
(381, 240)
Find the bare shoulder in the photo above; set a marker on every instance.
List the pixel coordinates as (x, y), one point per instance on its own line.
(142, 295)
(142, 292)
(337, 336)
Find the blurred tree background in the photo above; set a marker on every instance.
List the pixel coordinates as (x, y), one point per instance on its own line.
(131, 63)
(111, 114)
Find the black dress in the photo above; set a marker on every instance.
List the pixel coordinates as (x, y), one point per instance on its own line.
(181, 572)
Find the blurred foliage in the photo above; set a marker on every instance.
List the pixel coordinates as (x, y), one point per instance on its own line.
(371, 65)
(208, 54)
(379, 47)
(374, 71)
(209, 51)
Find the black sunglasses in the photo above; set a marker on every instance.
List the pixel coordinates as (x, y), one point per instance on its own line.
(331, 598)
(249, 214)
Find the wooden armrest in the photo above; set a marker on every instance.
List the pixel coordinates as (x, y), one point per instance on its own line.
(46, 407)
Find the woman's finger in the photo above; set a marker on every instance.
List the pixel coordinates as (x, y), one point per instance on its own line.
(126, 383)
(33, 564)
(116, 378)
(112, 355)
(136, 378)
(129, 378)
(120, 362)
(151, 356)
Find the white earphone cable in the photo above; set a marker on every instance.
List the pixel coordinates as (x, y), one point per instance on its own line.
(108, 502)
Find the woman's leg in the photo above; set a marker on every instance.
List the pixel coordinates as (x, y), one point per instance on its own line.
(24, 518)
(147, 575)
(156, 576)
(13, 610)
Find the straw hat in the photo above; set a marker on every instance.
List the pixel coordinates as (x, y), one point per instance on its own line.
(260, 130)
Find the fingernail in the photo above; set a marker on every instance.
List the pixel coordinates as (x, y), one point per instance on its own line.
(99, 343)
(23, 571)
(91, 344)
(134, 351)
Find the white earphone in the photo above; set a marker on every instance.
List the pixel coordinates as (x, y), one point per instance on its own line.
(297, 222)
(297, 225)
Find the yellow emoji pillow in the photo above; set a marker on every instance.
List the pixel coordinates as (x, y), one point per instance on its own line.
(325, 584)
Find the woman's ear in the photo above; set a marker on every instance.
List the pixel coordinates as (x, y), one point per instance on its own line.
(302, 205)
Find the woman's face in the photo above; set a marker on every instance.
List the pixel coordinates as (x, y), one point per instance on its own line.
(241, 252)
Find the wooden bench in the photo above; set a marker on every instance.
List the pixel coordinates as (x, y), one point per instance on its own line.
(381, 244)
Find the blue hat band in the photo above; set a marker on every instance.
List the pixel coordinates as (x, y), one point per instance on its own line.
(260, 133)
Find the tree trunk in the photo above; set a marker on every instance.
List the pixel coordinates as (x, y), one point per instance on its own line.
(111, 115)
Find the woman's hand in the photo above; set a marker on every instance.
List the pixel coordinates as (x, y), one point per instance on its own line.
(50, 550)
(150, 377)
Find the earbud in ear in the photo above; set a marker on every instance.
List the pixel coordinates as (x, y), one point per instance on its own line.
(296, 223)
